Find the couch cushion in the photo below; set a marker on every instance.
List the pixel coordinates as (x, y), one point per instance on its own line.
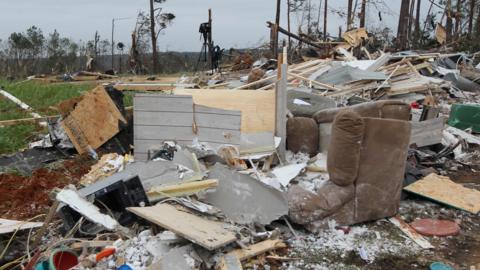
(302, 135)
(344, 150)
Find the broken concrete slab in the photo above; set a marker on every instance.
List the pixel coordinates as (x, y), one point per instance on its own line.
(175, 258)
(244, 199)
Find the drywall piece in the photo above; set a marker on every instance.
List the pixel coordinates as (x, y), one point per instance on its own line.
(427, 132)
(87, 209)
(187, 159)
(8, 225)
(206, 233)
(443, 190)
(159, 118)
(153, 173)
(257, 107)
(95, 120)
(410, 232)
(244, 199)
(286, 173)
(257, 143)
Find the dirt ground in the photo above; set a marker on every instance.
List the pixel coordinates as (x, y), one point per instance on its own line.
(27, 196)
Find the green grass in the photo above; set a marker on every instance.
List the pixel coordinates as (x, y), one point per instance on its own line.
(41, 96)
(13, 138)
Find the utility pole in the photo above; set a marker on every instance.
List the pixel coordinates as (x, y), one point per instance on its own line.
(325, 21)
(113, 42)
(209, 41)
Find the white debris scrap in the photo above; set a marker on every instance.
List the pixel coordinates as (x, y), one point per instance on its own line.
(87, 209)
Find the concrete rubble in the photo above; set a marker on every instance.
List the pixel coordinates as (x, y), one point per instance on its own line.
(210, 180)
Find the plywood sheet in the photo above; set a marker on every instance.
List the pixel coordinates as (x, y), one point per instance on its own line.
(257, 106)
(94, 120)
(443, 190)
(206, 233)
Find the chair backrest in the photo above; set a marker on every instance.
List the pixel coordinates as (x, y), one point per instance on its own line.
(381, 171)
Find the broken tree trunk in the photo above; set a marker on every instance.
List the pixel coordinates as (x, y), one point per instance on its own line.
(449, 24)
(402, 25)
(470, 18)
(362, 13)
(349, 15)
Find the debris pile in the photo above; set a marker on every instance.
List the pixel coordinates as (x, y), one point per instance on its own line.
(298, 166)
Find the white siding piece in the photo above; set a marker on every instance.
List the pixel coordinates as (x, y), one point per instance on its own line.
(159, 118)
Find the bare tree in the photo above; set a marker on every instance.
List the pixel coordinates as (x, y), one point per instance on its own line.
(162, 20)
(470, 18)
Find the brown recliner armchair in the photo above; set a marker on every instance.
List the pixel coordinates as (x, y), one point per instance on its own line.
(366, 161)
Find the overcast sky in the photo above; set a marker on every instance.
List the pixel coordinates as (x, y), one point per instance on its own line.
(236, 23)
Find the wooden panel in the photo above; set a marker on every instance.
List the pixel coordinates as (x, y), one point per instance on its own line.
(159, 118)
(94, 120)
(257, 107)
(427, 132)
(206, 233)
(443, 190)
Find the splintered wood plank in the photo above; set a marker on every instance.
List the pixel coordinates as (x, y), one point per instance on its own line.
(410, 232)
(94, 120)
(257, 107)
(443, 190)
(206, 233)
